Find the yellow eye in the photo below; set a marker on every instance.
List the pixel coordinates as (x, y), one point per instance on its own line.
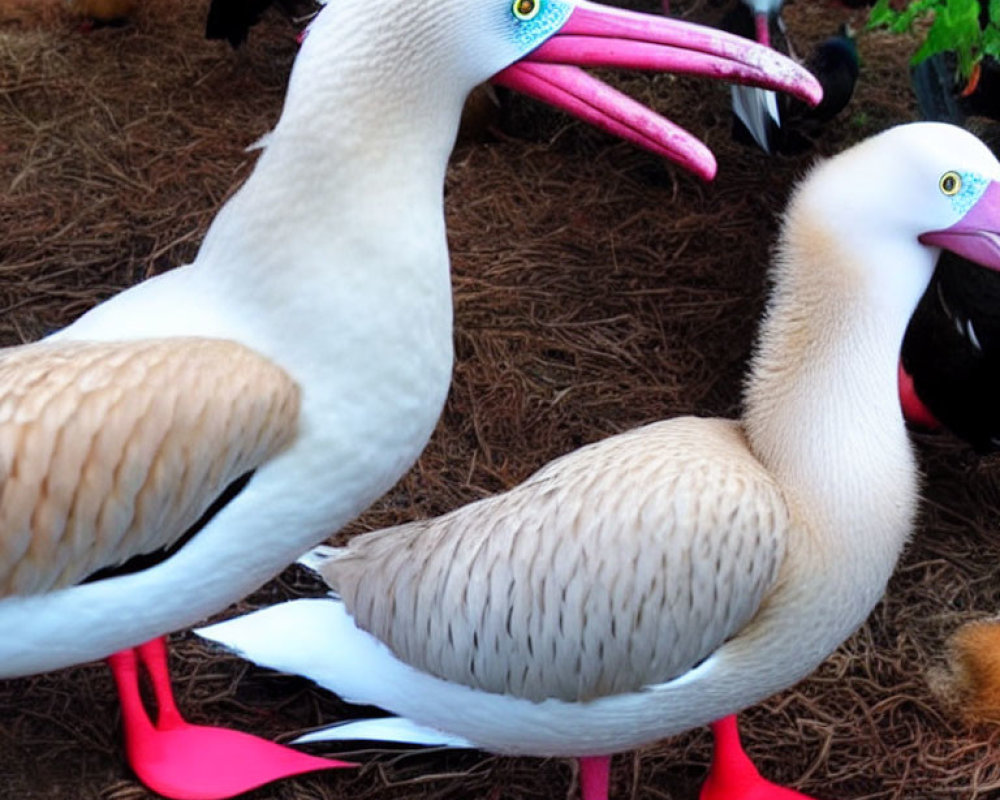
(950, 183)
(526, 9)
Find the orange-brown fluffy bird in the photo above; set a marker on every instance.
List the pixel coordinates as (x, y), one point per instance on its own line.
(104, 11)
(973, 681)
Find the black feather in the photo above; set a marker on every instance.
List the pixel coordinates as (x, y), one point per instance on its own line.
(952, 350)
(232, 19)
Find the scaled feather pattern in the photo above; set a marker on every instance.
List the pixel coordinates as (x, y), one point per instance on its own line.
(108, 449)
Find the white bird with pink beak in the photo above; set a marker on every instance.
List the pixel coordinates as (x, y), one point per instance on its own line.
(672, 575)
(184, 441)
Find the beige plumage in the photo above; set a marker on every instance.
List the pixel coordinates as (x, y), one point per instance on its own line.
(613, 568)
(109, 450)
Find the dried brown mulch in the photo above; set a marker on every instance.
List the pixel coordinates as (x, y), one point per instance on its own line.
(595, 289)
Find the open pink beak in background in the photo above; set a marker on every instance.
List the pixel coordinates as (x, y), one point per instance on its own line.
(599, 36)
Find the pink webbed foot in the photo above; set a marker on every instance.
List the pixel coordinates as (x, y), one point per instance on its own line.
(182, 761)
(733, 775)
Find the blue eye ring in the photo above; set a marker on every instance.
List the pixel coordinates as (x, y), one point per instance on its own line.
(526, 10)
(950, 183)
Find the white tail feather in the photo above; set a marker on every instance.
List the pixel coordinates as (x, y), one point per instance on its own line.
(317, 639)
(387, 729)
(757, 109)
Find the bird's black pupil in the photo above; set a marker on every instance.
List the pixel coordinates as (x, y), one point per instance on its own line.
(949, 184)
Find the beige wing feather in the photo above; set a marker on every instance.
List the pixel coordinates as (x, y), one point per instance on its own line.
(111, 450)
(617, 567)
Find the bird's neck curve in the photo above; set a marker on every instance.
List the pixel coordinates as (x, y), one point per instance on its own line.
(355, 165)
(821, 405)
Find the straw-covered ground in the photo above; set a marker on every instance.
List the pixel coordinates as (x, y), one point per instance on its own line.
(596, 288)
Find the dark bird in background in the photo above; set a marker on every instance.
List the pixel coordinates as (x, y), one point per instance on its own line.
(232, 19)
(941, 98)
(835, 64)
(950, 367)
(950, 359)
(951, 354)
(773, 123)
(756, 115)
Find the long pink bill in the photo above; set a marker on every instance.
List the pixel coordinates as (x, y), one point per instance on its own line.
(577, 93)
(599, 36)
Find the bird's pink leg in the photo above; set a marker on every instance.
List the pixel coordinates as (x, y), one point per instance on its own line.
(763, 26)
(594, 775)
(125, 669)
(153, 655)
(182, 761)
(733, 775)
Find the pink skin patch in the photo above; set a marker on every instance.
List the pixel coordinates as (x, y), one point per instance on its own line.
(597, 36)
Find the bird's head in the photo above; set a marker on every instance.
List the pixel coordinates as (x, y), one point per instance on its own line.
(967, 225)
(405, 51)
(922, 186)
(899, 199)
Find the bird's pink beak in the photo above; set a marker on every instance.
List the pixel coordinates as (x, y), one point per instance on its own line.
(599, 36)
(976, 236)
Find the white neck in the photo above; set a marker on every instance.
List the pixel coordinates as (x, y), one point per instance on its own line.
(354, 168)
(821, 404)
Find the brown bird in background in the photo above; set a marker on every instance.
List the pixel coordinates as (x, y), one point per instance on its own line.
(105, 12)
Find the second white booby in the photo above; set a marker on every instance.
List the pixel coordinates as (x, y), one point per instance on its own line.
(670, 576)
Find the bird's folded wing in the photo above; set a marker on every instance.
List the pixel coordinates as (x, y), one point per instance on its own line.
(111, 450)
(617, 567)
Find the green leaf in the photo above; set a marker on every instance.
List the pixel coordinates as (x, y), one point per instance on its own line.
(954, 27)
(991, 41)
(881, 14)
(900, 21)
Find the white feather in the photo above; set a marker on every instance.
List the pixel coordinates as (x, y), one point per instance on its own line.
(757, 109)
(385, 729)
